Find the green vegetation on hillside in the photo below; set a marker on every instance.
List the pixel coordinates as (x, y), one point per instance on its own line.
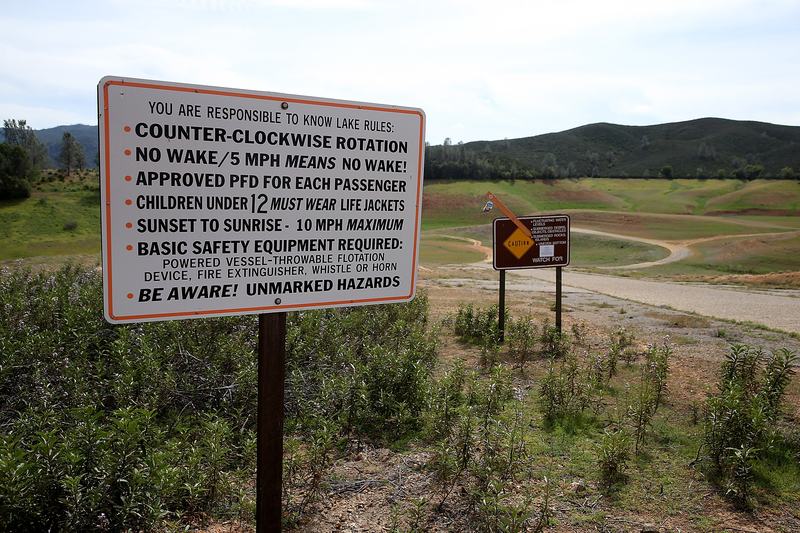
(447, 204)
(757, 255)
(62, 217)
(702, 148)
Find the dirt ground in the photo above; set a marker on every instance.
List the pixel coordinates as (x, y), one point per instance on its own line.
(376, 489)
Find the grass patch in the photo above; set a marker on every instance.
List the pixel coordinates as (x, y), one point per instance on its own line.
(443, 249)
(778, 473)
(754, 255)
(458, 203)
(663, 226)
(594, 251)
(681, 321)
(759, 195)
(37, 225)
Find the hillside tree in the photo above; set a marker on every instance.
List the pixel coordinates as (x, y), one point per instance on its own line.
(549, 166)
(18, 133)
(15, 172)
(71, 155)
(706, 152)
(753, 171)
(787, 173)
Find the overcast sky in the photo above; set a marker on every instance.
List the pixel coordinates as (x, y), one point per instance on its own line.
(480, 70)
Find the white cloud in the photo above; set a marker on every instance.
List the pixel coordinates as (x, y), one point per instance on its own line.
(503, 69)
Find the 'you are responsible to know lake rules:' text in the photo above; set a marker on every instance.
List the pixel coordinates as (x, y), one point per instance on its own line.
(221, 201)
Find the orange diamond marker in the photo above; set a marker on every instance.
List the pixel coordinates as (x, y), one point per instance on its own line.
(518, 243)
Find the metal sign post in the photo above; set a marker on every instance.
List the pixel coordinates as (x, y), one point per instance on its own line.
(501, 319)
(558, 299)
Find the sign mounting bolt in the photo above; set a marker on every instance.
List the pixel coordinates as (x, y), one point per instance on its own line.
(284, 105)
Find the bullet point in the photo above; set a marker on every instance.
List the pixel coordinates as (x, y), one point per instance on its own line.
(127, 151)
(128, 202)
(128, 225)
(130, 296)
(129, 247)
(127, 129)
(128, 178)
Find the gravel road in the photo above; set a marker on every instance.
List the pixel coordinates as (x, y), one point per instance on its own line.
(775, 309)
(779, 311)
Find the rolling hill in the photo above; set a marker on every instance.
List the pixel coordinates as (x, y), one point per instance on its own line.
(706, 147)
(84, 134)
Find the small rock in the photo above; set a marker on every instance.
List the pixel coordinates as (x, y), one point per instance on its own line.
(578, 487)
(650, 528)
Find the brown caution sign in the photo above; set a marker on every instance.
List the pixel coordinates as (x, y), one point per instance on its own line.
(548, 245)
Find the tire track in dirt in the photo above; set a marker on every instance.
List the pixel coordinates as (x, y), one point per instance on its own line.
(474, 243)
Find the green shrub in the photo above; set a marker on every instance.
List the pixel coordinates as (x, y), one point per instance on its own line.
(641, 408)
(481, 447)
(132, 427)
(477, 326)
(613, 453)
(740, 417)
(447, 395)
(579, 333)
(656, 369)
(552, 343)
(521, 338)
(566, 390)
(621, 345)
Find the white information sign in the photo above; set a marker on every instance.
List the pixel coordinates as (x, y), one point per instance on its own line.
(225, 202)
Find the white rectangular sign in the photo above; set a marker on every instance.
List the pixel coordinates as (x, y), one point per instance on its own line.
(225, 202)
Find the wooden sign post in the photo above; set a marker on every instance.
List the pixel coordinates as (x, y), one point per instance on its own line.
(271, 378)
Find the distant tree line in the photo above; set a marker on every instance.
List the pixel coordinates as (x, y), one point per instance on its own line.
(456, 163)
(450, 161)
(23, 156)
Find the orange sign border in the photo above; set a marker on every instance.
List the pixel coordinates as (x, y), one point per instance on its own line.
(234, 93)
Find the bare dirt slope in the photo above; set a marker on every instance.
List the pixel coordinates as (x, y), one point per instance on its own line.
(381, 490)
